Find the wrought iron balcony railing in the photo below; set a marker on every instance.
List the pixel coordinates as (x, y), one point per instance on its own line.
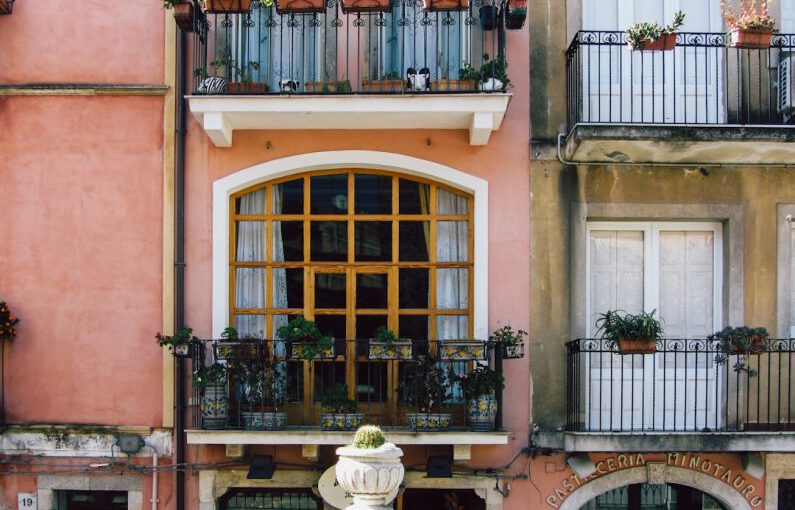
(701, 81)
(354, 377)
(682, 387)
(405, 50)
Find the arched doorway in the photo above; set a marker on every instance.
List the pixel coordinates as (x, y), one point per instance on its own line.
(647, 496)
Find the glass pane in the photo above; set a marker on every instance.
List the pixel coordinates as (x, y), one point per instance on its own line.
(451, 203)
(327, 376)
(414, 236)
(251, 203)
(366, 325)
(250, 245)
(373, 241)
(250, 325)
(288, 287)
(288, 197)
(414, 197)
(373, 194)
(250, 287)
(329, 241)
(413, 288)
(332, 325)
(451, 327)
(413, 326)
(372, 291)
(452, 287)
(452, 242)
(371, 378)
(330, 290)
(330, 194)
(288, 241)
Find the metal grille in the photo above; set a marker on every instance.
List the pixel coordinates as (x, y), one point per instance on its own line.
(270, 499)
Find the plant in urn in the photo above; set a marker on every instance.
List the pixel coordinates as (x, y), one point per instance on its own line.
(369, 469)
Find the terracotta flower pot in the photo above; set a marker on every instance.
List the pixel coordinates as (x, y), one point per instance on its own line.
(300, 6)
(453, 85)
(446, 5)
(366, 6)
(391, 86)
(750, 39)
(636, 346)
(228, 6)
(666, 42)
(517, 14)
(6, 6)
(247, 88)
(183, 14)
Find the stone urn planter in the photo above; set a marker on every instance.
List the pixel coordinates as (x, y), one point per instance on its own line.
(370, 473)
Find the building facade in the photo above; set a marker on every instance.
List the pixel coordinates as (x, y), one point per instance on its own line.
(661, 182)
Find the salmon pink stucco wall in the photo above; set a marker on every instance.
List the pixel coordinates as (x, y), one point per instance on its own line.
(504, 163)
(81, 258)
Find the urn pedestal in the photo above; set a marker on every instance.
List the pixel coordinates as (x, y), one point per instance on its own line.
(370, 475)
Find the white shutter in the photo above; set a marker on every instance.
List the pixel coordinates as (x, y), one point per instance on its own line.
(787, 16)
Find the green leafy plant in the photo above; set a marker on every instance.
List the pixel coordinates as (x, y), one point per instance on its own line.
(258, 383)
(206, 376)
(243, 73)
(469, 73)
(617, 325)
(229, 334)
(385, 335)
(8, 322)
(496, 68)
(337, 401)
(640, 33)
(368, 437)
(506, 336)
(739, 341)
(480, 381)
(306, 334)
(749, 15)
(182, 337)
(426, 385)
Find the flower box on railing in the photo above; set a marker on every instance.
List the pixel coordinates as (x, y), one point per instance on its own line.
(227, 6)
(446, 5)
(341, 421)
(300, 6)
(236, 350)
(751, 39)
(399, 350)
(665, 42)
(310, 350)
(461, 350)
(366, 6)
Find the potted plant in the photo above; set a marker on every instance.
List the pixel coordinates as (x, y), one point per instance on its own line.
(179, 344)
(227, 6)
(446, 5)
(369, 469)
(305, 340)
(516, 15)
(338, 412)
(479, 386)
(8, 322)
(750, 24)
(425, 387)
(489, 14)
(211, 383)
(300, 6)
(183, 13)
(389, 82)
(366, 6)
(461, 349)
(468, 78)
(511, 342)
(328, 87)
(230, 346)
(260, 397)
(648, 36)
(633, 334)
(741, 342)
(387, 346)
(493, 74)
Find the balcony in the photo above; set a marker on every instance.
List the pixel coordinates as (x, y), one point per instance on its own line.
(272, 376)
(702, 102)
(404, 68)
(679, 398)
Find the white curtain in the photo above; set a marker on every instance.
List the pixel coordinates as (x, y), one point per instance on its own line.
(250, 282)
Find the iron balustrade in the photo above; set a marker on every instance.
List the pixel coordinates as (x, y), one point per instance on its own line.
(702, 81)
(258, 370)
(270, 52)
(680, 388)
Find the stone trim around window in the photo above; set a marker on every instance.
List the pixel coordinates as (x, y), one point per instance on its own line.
(784, 269)
(48, 484)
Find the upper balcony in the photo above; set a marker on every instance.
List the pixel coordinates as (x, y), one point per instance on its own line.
(278, 393)
(333, 65)
(680, 398)
(703, 102)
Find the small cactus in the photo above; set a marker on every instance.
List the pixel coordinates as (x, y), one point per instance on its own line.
(368, 437)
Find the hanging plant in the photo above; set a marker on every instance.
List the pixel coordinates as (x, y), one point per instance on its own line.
(8, 321)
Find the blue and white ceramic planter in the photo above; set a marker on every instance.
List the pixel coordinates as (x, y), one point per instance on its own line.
(481, 412)
(214, 405)
(257, 420)
(341, 421)
(400, 349)
(433, 422)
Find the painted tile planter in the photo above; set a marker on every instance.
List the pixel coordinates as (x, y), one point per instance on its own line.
(214, 405)
(297, 350)
(462, 350)
(236, 350)
(341, 421)
(433, 422)
(390, 350)
(513, 351)
(481, 412)
(261, 420)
